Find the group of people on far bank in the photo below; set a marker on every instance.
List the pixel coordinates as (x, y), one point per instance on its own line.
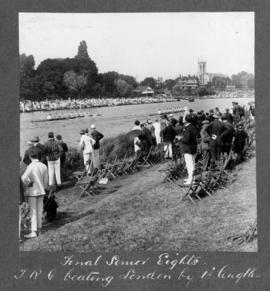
(43, 172)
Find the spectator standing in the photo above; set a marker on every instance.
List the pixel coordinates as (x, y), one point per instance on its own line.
(86, 145)
(136, 127)
(228, 134)
(64, 149)
(35, 144)
(149, 125)
(215, 130)
(168, 134)
(146, 131)
(228, 115)
(205, 138)
(157, 130)
(53, 151)
(210, 117)
(241, 139)
(97, 136)
(36, 177)
(189, 147)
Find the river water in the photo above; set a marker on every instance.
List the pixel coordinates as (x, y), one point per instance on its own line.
(112, 120)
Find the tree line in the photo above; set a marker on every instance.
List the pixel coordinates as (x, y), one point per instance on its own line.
(78, 77)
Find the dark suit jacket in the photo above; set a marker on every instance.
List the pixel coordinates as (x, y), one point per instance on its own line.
(217, 128)
(39, 150)
(168, 133)
(97, 136)
(189, 140)
(228, 134)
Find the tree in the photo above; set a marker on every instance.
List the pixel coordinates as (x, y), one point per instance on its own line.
(123, 88)
(243, 80)
(150, 82)
(28, 86)
(75, 82)
(27, 65)
(130, 80)
(82, 51)
(177, 90)
(220, 83)
(169, 83)
(50, 73)
(108, 81)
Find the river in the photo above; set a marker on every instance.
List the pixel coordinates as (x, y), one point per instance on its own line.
(112, 120)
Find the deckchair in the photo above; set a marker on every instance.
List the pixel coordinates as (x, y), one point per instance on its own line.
(110, 169)
(87, 184)
(120, 167)
(131, 166)
(196, 183)
(145, 159)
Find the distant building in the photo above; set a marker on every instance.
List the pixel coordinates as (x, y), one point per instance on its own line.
(202, 74)
(244, 81)
(230, 88)
(205, 77)
(188, 83)
(144, 91)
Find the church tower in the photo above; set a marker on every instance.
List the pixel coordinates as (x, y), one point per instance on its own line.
(202, 71)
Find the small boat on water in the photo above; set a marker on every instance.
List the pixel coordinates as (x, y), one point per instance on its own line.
(65, 117)
(168, 111)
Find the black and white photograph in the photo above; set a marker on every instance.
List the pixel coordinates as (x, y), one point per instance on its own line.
(137, 132)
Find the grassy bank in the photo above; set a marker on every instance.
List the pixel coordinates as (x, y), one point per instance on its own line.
(140, 212)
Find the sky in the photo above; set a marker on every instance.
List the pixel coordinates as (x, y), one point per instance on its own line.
(144, 44)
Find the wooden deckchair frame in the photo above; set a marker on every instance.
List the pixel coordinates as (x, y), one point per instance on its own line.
(121, 166)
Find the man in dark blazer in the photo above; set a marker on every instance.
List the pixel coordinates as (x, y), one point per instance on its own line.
(228, 134)
(168, 134)
(216, 129)
(97, 136)
(189, 146)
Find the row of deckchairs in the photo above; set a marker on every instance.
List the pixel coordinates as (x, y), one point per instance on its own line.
(206, 179)
(91, 184)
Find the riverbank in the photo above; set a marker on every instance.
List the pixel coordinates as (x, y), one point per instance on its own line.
(140, 212)
(28, 106)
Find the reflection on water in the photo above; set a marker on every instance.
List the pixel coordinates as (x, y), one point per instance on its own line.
(113, 120)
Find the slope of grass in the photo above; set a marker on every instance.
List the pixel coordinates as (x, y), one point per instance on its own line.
(145, 214)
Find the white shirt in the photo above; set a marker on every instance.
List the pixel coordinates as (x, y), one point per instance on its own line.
(36, 173)
(87, 143)
(136, 139)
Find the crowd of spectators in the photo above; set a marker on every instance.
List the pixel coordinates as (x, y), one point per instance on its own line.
(60, 104)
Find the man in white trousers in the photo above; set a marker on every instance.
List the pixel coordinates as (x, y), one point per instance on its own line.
(53, 151)
(86, 145)
(36, 178)
(189, 147)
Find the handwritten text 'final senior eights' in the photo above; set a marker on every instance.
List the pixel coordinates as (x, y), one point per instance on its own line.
(178, 267)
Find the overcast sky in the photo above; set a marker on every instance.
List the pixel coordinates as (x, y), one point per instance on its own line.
(144, 44)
